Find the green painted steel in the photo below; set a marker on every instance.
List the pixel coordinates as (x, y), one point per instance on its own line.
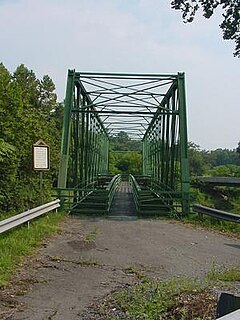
(148, 107)
(165, 149)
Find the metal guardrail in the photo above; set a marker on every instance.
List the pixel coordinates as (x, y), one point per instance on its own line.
(235, 315)
(28, 215)
(219, 214)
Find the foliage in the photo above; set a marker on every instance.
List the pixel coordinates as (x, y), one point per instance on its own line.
(28, 112)
(129, 162)
(6, 150)
(203, 162)
(125, 156)
(197, 163)
(20, 242)
(238, 148)
(122, 142)
(231, 16)
(201, 197)
(229, 170)
(220, 157)
(216, 163)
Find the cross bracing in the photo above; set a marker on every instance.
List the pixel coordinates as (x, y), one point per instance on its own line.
(148, 107)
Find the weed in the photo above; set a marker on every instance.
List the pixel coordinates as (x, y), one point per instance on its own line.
(225, 275)
(140, 274)
(161, 300)
(182, 299)
(92, 235)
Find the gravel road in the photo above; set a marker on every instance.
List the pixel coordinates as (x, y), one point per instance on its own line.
(69, 273)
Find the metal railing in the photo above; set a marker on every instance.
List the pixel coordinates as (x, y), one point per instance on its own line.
(235, 315)
(152, 198)
(113, 186)
(28, 215)
(219, 214)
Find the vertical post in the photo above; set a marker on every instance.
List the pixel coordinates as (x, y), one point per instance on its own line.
(173, 143)
(41, 187)
(143, 157)
(107, 154)
(185, 183)
(82, 143)
(62, 178)
(86, 149)
(163, 143)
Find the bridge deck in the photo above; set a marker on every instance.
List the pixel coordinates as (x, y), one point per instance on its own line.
(123, 204)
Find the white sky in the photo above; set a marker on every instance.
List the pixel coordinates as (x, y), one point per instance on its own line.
(51, 36)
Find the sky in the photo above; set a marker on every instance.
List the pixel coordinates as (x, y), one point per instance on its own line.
(140, 36)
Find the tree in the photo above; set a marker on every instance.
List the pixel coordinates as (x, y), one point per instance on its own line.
(238, 148)
(196, 161)
(129, 162)
(28, 112)
(231, 16)
(229, 170)
(122, 142)
(220, 157)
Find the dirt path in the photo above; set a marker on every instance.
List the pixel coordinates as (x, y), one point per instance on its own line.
(70, 273)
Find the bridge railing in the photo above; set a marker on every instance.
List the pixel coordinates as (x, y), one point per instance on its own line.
(95, 197)
(151, 198)
(113, 186)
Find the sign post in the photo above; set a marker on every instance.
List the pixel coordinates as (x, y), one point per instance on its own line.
(41, 162)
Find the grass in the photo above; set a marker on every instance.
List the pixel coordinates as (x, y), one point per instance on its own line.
(23, 241)
(230, 228)
(154, 300)
(175, 299)
(92, 235)
(225, 275)
(140, 274)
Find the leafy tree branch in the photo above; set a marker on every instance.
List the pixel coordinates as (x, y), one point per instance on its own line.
(231, 16)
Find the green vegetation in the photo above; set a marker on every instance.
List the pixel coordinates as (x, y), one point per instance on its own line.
(22, 241)
(28, 112)
(219, 162)
(152, 300)
(125, 155)
(230, 228)
(92, 235)
(174, 299)
(215, 163)
(230, 14)
(225, 275)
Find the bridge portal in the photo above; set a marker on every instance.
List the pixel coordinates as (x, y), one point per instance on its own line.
(148, 107)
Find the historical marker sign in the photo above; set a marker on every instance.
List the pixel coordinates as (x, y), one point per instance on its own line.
(41, 156)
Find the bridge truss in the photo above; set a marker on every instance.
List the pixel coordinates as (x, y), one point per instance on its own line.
(149, 107)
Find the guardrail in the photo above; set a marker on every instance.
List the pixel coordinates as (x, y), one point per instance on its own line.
(219, 214)
(28, 215)
(235, 315)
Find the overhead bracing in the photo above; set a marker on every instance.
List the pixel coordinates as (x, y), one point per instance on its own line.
(148, 107)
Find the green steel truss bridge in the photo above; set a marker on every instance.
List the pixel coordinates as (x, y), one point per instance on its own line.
(148, 107)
